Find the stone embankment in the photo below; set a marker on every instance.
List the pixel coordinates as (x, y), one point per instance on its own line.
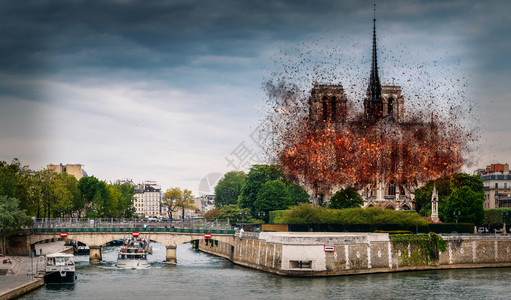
(19, 277)
(330, 254)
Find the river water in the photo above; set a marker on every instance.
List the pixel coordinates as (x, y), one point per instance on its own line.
(202, 276)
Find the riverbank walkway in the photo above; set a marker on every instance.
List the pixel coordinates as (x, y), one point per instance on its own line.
(16, 276)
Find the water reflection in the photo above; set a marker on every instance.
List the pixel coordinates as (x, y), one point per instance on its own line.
(202, 276)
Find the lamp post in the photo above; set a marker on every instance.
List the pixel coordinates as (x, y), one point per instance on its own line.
(456, 215)
(504, 218)
(242, 214)
(261, 214)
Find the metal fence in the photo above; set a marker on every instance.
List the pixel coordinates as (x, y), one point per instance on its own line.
(123, 223)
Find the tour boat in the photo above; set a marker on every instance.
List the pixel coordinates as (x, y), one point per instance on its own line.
(60, 269)
(133, 254)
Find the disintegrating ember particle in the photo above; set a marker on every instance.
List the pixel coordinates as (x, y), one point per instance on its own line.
(331, 142)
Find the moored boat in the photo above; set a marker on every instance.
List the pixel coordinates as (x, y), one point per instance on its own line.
(60, 269)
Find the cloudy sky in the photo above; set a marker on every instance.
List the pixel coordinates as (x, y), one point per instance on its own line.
(171, 90)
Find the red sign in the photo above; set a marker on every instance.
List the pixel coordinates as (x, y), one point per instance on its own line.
(63, 234)
(329, 248)
(207, 235)
(136, 233)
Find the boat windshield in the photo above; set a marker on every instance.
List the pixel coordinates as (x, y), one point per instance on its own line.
(60, 261)
(137, 256)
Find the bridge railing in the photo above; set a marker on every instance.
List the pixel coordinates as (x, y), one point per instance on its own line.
(122, 223)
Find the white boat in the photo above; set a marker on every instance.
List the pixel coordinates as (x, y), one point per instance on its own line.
(60, 269)
(133, 254)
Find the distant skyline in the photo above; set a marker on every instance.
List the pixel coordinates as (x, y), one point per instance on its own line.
(170, 91)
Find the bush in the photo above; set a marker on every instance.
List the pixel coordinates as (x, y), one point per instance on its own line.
(308, 214)
(276, 216)
(452, 227)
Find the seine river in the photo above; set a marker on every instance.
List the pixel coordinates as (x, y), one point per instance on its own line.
(202, 276)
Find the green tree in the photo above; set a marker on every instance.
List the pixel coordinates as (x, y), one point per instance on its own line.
(235, 214)
(346, 198)
(464, 205)
(102, 204)
(63, 198)
(445, 186)
(170, 197)
(229, 188)
(124, 199)
(231, 212)
(48, 193)
(256, 178)
(15, 181)
(212, 214)
(298, 193)
(185, 202)
(177, 199)
(11, 217)
(88, 186)
(273, 195)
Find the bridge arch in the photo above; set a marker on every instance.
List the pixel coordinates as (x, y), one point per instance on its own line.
(96, 239)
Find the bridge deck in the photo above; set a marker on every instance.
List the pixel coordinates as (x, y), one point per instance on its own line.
(131, 229)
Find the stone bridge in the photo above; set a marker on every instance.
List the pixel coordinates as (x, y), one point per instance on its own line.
(95, 238)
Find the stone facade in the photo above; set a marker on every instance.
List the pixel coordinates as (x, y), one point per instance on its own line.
(71, 169)
(147, 200)
(497, 185)
(328, 107)
(303, 254)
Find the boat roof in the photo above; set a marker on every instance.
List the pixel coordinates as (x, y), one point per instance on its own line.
(59, 255)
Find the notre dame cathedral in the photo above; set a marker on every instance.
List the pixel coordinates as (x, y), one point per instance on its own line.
(328, 104)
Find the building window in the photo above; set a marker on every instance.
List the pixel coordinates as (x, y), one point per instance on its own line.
(496, 185)
(505, 185)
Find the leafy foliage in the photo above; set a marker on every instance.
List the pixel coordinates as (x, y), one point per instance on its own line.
(497, 216)
(177, 199)
(231, 212)
(464, 205)
(228, 188)
(308, 214)
(445, 187)
(11, 217)
(273, 195)
(212, 214)
(424, 248)
(16, 182)
(256, 178)
(346, 198)
(298, 194)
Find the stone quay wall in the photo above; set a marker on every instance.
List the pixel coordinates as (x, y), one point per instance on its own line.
(330, 254)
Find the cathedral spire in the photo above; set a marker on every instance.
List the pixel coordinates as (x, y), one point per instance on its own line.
(374, 88)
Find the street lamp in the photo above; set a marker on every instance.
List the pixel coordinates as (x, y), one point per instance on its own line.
(242, 214)
(504, 218)
(456, 215)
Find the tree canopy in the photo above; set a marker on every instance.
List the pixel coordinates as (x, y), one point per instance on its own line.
(346, 198)
(228, 188)
(231, 212)
(176, 199)
(445, 187)
(464, 205)
(273, 195)
(298, 194)
(256, 177)
(11, 217)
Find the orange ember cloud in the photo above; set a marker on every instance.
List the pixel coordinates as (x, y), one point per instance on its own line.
(357, 154)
